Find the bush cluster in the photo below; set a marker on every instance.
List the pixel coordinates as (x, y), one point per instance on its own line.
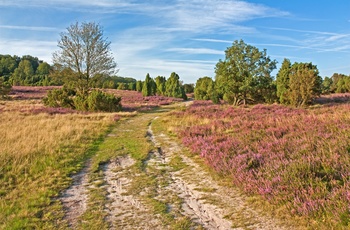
(93, 101)
(5, 88)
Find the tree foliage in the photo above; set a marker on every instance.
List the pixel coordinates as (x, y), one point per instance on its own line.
(189, 88)
(84, 55)
(298, 84)
(173, 87)
(84, 49)
(149, 87)
(340, 83)
(244, 75)
(5, 88)
(282, 81)
(23, 74)
(326, 85)
(8, 64)
(204, 88)
(160, 83)
(93, 101)
(139, 85)
(26, 70)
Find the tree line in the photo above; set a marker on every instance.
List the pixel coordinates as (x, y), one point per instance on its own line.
(84, 63)
(171, 87)
(245, 77)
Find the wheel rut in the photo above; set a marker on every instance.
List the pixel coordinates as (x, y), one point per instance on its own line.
(188, 193)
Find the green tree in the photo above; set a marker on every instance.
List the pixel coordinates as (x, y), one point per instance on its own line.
(132, 86)
(5, 88)
(189, 88)
(326, 85)
(122, 86)
(160, 83)
(43, 69)
(8, 64)
(149, 87)
(244, 75)
(23, 73)
(84, 53)
(84, 49)
(34, 61)
(173, 87)
(204, 88)
(282, 81)
(336, 87)
(305, 84)
(139, 85)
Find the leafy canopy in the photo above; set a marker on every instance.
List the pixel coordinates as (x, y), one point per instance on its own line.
(244, 75)
(298, 84)
(84, 49)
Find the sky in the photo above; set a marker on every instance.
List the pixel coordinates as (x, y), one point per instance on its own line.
(185, 36)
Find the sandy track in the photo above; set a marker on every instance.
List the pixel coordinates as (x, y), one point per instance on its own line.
(206, 203)
(75, 198)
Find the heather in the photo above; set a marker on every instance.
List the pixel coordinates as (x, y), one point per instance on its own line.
(294, 158)
(130, 100)
(133, 100)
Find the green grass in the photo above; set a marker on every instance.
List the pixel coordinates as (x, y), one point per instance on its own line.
(37, 157)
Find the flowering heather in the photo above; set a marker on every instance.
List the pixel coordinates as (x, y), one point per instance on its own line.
(333, 98)
(296, 158)
(30, 92)
(133, 100)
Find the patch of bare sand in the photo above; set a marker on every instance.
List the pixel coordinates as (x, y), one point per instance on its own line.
(74, 199)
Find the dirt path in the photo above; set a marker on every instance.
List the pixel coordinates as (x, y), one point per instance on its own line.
(171, 197)
(74, 199)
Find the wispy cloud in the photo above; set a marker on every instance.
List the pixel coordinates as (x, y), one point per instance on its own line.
(337, 37)
(204, 15)
(195, 51)
(302, 31)
(41, 49)
(31, 28)
(212, 40)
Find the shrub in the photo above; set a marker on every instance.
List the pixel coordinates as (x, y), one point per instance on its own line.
(60, 98)
(101, 101)
(5, 88)
(93, 101)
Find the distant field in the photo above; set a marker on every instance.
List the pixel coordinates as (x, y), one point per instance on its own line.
(131, 100)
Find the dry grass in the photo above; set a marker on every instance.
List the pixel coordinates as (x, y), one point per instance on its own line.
(37, 154)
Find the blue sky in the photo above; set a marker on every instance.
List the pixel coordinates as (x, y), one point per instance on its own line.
(185, 36)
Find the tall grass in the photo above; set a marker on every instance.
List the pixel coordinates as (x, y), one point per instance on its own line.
(38, 152)
(294, 158)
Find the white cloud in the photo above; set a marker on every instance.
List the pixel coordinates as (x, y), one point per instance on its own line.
(41, 49)
(212, 40)
(195, 51)
(31, 28)
(336, 37)
(155, 48)
(205, 15)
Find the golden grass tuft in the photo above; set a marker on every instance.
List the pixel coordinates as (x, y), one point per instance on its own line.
(38, 152)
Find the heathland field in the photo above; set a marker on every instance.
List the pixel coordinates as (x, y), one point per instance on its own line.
(166, 164)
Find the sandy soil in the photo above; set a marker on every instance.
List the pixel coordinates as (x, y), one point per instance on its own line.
(205, 202)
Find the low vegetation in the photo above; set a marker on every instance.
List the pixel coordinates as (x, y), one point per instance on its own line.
(92, 100)
(38, 154)
(297, 159)
(294, 157)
